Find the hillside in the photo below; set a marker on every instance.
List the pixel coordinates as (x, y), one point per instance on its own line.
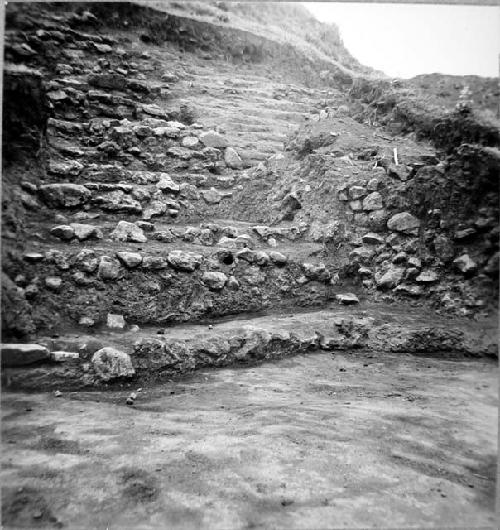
(192, 192)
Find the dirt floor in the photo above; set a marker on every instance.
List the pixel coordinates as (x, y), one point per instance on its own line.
(314, 441)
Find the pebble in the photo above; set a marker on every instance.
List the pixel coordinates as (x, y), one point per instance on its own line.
(57, 393)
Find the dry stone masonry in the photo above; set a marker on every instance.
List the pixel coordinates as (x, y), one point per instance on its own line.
(140, 192)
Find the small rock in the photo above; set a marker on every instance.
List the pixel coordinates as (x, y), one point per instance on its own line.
(444, 248)
(61, 356)
(64, 195)
(317, 272)
(154, 263)
(356, 192)
(390, 278)
(409, 290)
(33, 257)
(279, 259)
(400, 257)
(53, 283)
(400, 172)
(109, 268)
(364, 271)
(233, 284)
(167, 185)
(103, 48)
(347, 299)
(404, 222)
(190, 142)
(415, 262)
(145, 226)
(86, 321)
(126, 231)
(211, 196)
(57, 393)
(261, 258)
(213, 139)
(373, 184)
(372, 239)
(129, 259)
(184, 261)
(465, 264)
(465, 234)
(64, 232)
(373, 201)
(115, 321)
(215, 281)
(427, 277)
(232, 158)
(84, 231)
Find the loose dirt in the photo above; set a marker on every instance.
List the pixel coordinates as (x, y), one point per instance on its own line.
(314, 441)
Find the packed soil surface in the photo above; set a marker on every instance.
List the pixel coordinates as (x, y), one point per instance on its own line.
(313, 441)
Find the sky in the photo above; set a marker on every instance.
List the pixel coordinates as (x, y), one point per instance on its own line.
(407, 40)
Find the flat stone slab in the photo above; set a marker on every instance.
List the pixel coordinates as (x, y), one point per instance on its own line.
(23, 354)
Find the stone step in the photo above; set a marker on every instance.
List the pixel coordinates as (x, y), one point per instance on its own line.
(148, 353)
(89, 229)
(154, 282)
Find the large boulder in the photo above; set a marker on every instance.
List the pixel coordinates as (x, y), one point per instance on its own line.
(110, 363)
